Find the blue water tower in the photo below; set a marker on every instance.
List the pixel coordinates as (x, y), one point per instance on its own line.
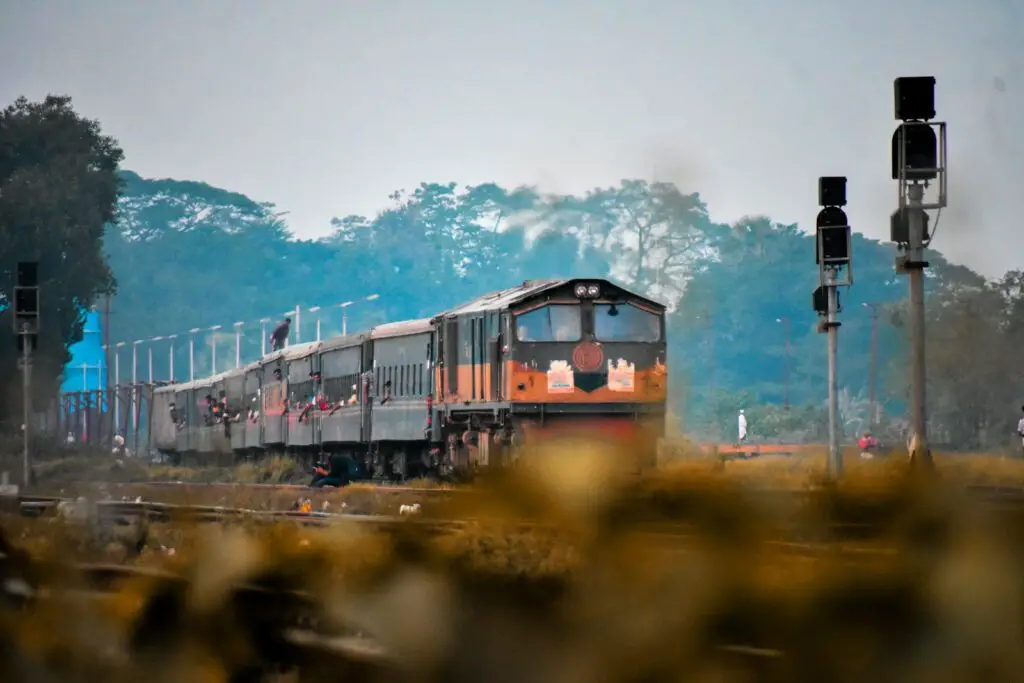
(87, 369)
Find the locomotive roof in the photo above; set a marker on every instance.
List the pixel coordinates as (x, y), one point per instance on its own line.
(505, 297)
(496, 301)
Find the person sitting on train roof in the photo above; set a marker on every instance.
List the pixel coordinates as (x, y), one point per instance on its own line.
(280, 335)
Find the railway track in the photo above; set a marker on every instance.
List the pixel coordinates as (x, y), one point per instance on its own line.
(680, 535)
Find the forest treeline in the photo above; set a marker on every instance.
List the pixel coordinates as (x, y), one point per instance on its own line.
(183, 255)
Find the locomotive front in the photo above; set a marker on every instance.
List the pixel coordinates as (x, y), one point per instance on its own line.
(588, 357)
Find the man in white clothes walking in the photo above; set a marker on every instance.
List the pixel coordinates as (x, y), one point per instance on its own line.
(742, 425)
(1020, 430)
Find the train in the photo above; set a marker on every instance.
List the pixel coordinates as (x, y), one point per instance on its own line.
(444, 396)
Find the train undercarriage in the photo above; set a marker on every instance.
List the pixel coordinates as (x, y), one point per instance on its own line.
(460, 444)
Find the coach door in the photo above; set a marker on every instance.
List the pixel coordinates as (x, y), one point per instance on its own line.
(493, 348)
(450, 360)
(366, 391)
(474, 343)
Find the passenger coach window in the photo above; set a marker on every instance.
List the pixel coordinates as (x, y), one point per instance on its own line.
(550, 323)
(625, 323)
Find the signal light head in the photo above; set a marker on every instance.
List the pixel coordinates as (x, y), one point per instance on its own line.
(899, 224)
(832, 242)
(914, 98)
(832, 191)
(28, 274)
(819, 301)
(920, 149)
(26, 302)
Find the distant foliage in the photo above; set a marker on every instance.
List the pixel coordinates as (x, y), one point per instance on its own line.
(58, 190)
(742, 333)
(188, 255)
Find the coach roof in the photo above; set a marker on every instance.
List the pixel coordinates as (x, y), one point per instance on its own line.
(401, 329)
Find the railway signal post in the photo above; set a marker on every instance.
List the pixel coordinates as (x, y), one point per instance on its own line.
(26, 328)
(834, 257)
(918, 162)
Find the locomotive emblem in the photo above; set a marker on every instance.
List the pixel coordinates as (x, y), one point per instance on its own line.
(588, 357)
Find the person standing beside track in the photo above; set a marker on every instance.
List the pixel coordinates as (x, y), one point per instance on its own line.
(1020, 430)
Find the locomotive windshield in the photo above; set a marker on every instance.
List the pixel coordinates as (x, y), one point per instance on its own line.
(550, 323)
(625, 323)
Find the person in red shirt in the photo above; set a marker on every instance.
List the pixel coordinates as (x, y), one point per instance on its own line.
(867, 444)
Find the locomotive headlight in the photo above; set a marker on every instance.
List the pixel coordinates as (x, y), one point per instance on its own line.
(581, 291)
(593, 291)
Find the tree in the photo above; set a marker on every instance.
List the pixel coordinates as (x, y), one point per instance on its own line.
(58, 189)
(189, 255)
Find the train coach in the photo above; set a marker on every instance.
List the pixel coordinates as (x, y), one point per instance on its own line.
(445, 395)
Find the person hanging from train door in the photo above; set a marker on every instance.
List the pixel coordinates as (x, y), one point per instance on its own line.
(316, 399)
(280, 335)
(254, 408)
(216, 409)
(208, 416)
(176, 418)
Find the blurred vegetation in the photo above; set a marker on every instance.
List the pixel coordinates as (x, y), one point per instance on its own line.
(568, 572)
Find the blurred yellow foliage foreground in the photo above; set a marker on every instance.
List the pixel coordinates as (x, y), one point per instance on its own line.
(569, 571)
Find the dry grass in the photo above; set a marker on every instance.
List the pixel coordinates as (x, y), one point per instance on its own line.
(592, 596)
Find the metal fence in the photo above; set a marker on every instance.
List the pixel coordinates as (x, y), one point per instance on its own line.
(94, 417)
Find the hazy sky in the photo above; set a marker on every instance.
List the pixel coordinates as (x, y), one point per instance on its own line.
(326, 107)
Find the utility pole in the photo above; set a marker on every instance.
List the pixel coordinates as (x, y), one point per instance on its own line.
(192, 354)
(213, 349)
(26, 327)
(344, 311)
(316, 310)
(149, 350)
(135, 384)
(872, 369)
(918, 160)
(117, 386)
(785, 395)
(238, 344)
(170, 357)
(107, 349)
(834, 256)
(835, 455)
(344, 317)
